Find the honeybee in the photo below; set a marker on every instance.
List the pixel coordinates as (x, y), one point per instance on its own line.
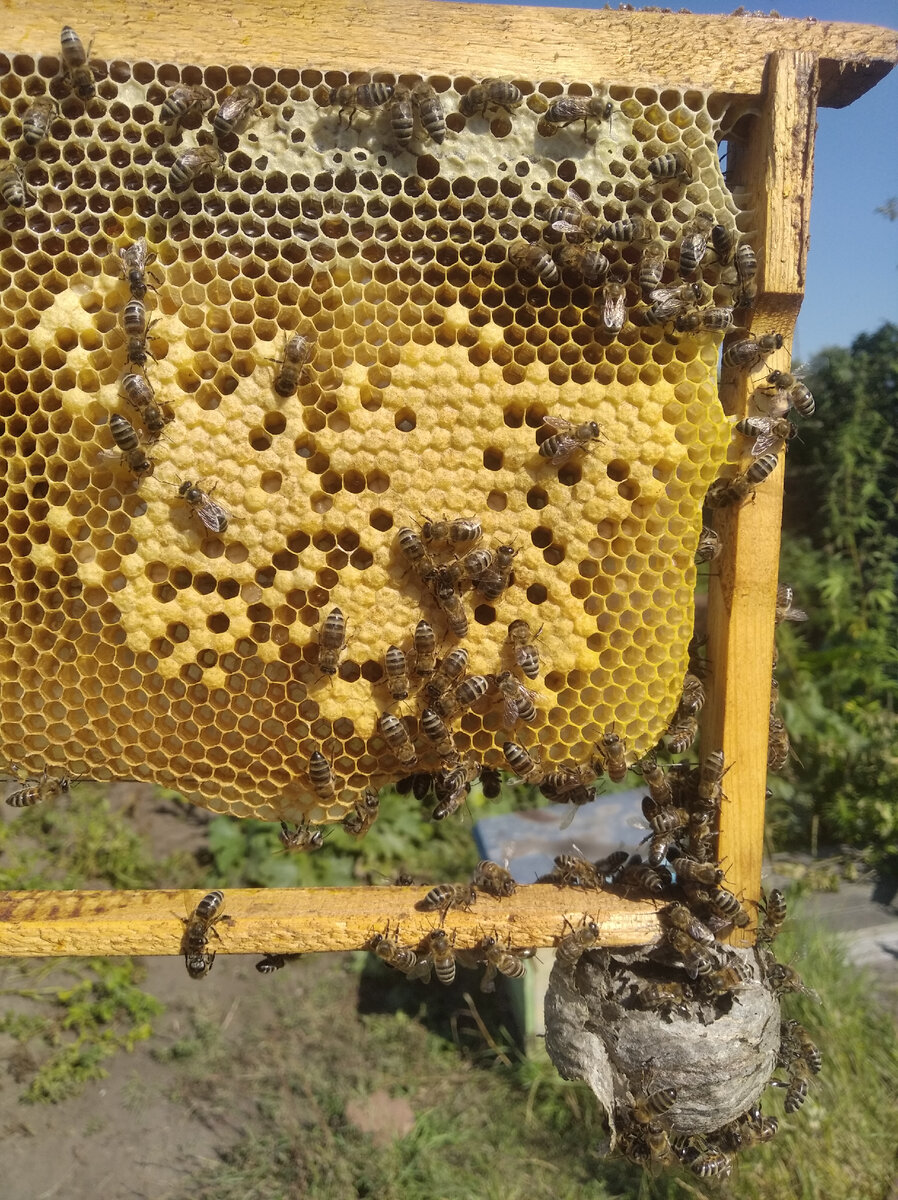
(490, 877)
(13, 187)
(135, 260)
(779, 746)
(572, 870)
(571, 947)
(475, 562)
(490, 783)
(711, 773)
(450, 602)
(614, 308)
(425, 649)
(722, 241)
(761, 468)
(530, 258)
(518, 700)
(571, 216)
(447, 895)
(397, 738)
(507, 963)
(193, 163)
(237, 110)
(588, 262)
(274, 962)
(614, 756)
(389, 950)
(681, 734)
(36, 121)
(769, 433)
(727, 907)
(303, 837)
(698, 960)
(402, 116)
(331, 641)
(657, 782)
(627, 229)
(612, 864)
(704, 320)
(651, 267)
(664, 818)
(692, 699)
(351, 98)
(359, 821)
(673, 165)
(197, 928)
(127, 440)
(678, 916)
(297, 352)
(430, 110)
(491, 93)
(468, 692)
(568, 440)
(492, 582)
(521, 763)
(786, 979)
(749, 352)
(690, 871)
(710, 1164)
(134, 322)
(412, 549)
(667, 996)
(38, 791)
(648, 1107)
(418, 784)
(452, 786)
(182, 99)
(746, 264)
(463, 529)
(209, 511)
(438, 732)
(140, 395)
(794, 391)
(565, 110)
(321, 776)
(639, 875)
(798, 1042)
(396, 669)
(77, 70)
(447, 674)
(526, 654)
(695, 242)
(773, 906)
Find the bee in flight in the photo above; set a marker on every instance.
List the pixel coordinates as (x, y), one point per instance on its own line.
(38, 791)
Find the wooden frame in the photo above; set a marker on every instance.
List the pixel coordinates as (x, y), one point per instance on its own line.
(783, 69)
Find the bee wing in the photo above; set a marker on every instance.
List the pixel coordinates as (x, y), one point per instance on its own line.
(212, 515)
(614, 312)
(560, 423)
(569, 816)
(566, 227)
(766, 441)
(510, 718)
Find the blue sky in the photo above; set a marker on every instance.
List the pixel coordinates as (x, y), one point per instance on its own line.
(852, 282)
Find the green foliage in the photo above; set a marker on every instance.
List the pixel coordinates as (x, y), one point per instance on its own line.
(103, 1012)
(839, 674)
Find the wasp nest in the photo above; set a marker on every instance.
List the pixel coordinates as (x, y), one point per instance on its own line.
(164, 613)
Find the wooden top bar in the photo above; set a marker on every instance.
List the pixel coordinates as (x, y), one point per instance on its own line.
(726, 54)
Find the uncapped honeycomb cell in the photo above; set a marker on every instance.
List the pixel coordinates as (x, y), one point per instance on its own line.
(139, 643)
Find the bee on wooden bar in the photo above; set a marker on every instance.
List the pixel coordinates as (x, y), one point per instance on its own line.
(127, 440)
(492, 582)
(359, 821)
(679, 917)
(389, 950)
(209, 511)
(711, 773)
(237, 110)
(749, 352)
(518, 700)
(673, 165)
(746, 264)
(135, 261)
(365, 96)
(198, 926)
(331, 642)
(690, 871)
(78, 72)
(183, 99)
(430, 110)
(508, 963)
(36, 121)
(692, 699)
(491, 93)
(651, 266)
(137, 328)
(140, 395)
(13, 188)
(565, 110)
(274, 962)
(761, 468)
(194, 162)
(727, 907)
(402, 116)
(38, 791)
(773, 906)
(521, 763)
(793, 391)
(614, 308)
(769, 433)
(569, 439)
(695, 242)
(572, 870)
(681, 734)
(490, 877)
(303, 837)
(439, 946)
(571, 947)
(530, 258)
(396, 668)
(397, 738)
(425, 649)
(447, 895)
(297, 352)
(526, 654)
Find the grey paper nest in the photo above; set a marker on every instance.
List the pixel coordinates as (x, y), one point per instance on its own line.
(719, 1054)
